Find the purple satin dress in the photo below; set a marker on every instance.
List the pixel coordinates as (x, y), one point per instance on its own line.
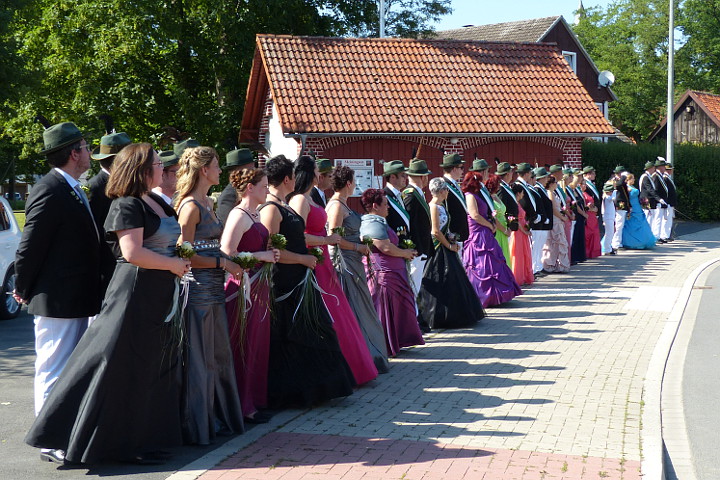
(485, 264)
(251, 345)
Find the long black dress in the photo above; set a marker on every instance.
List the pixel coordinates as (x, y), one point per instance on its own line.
(446, 298)
(119, 394)
(306, 365)
(577, 247)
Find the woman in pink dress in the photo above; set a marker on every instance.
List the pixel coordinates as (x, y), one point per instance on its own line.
(352, 342)
(249, 339)
(520, 244)
(592, 227)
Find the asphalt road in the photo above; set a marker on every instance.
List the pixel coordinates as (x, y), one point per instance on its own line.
(20, 461)
(701, 383)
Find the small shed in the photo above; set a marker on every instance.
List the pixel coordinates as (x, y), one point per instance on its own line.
(362, 101)
(696, 119)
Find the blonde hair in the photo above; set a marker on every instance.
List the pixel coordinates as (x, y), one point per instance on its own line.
(629, 177)
(191, 162)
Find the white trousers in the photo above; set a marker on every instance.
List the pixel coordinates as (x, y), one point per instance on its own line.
(620, 216)
(539, 239)
(55, 340)
(607, 239)
(657, 216)
(666, 222)
(417, 266)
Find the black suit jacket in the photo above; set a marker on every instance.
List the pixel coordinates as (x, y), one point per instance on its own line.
(420, 225)
(661, 186)
(622, 197)
(508, 198)
(58, 260)
(100, 206)
(458, 215)
(672, 191)
(315, 195)
(393, 219)
(226, 202)
(532, 216)
(647, 190)
(546, 207)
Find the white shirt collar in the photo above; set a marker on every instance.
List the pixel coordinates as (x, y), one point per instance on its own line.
(394, 190)
(71, 181)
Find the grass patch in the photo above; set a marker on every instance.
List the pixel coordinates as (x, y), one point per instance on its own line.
(20, 217)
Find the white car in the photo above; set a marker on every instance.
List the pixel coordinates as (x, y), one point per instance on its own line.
(9, 240)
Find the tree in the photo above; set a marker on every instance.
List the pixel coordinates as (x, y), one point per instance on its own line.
(700, 23)
(630, 39)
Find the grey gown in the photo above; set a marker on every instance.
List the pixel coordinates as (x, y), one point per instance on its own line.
(354, 283)
(211, 404)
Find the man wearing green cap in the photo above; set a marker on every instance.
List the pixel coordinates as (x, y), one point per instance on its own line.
(666, 228)
(168, 186)
(398, 218)
(648, 191)
(545, 209)
(58, 260)
(505, 172)
(237, 159)
(457, 209)
(110, 145)
(663, 192)
(420, 224)
(621, 200)
(317, 193)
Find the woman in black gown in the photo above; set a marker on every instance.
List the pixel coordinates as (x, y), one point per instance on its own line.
(306, 365)
(118, 397)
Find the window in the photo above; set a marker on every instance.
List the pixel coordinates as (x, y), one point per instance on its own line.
(571, 59)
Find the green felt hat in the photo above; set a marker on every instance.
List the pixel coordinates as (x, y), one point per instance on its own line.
(503, 168)
(393, 167)
(619, 169)
(60, 135)
(524, 168)
(540, 172)
(179, 147)
(324, 165)
(608, 187)
(238, 158)
(567, 171)
(168, 158)
(418, 168)
(649, 165)
(451, 160)
(576, 171)
(110, 145)
(588, 169)
(660, 162)
(556, 168)
(479, 165)
(669, 166)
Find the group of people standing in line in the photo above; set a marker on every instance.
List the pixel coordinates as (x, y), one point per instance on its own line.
(142, 346)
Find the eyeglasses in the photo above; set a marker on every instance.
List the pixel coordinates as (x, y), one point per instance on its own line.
(84, 147)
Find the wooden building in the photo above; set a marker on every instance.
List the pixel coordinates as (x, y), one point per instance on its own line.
(364, 101)
(696, 118)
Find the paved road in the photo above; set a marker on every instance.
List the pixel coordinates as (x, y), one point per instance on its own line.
(20, 461)
(701, 382)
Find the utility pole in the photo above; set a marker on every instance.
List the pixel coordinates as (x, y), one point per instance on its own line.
(382, 18)
(670, 122)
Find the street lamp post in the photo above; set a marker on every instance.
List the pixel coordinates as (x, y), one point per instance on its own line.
(670, 123)
(382, 18)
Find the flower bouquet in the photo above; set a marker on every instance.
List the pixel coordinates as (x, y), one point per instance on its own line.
(368, 242)
(407, 244)
(317, 253)
(645, 203)
(247, 261)
(337, 259)
(512, 223)
(278, 242)
(185, 250)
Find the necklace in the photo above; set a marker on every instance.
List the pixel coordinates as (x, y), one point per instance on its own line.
(282, 202)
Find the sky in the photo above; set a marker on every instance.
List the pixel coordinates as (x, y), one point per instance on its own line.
(483, 12)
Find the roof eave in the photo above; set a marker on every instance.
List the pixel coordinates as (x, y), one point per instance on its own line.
(450, 135)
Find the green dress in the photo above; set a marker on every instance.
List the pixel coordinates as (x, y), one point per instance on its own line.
(499, 236)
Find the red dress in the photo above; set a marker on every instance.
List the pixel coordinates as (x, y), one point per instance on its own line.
(521, 252)
(352, 342)
(592, 230)
(251, 345)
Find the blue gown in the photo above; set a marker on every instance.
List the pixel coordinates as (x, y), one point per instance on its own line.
(636, 233)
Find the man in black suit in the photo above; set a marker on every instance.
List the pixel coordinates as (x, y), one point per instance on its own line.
(545, 205)
(110, 145)
(505, 172)
(234, 160)
(649, 192)
(396, 180)
(672, 201)
(457, 209)
(664, 192)
(530, 202)
(420, 225)
(621, 200)
(58, 259)
(324, 181)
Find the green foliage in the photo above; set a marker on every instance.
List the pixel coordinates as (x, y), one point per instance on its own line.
(175, 66)
(696, 174)
(699, 21)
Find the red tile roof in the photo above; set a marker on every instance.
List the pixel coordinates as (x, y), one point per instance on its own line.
(711, 103)
(708, 102)
(406, 86)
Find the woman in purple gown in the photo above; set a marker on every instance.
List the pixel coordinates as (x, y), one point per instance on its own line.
(483, 258)
(249, 334)
(387, 276)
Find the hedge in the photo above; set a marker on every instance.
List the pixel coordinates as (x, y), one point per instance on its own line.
(697, 171)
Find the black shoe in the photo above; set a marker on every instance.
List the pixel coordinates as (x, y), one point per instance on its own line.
(56, 456)
(660, 240)
(669, 239)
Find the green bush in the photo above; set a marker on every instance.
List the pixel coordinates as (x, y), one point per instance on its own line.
(17, 204)
(696, 171)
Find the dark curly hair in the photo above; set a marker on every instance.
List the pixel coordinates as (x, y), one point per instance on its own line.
(471, 183)
(493, 183)
(277, 169)
(240, 179)
(372, 196)
(341, 176)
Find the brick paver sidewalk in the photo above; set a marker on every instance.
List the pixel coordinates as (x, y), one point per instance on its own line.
(548, 386)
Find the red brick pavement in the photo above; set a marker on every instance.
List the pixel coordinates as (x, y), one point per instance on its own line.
(293, 456)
